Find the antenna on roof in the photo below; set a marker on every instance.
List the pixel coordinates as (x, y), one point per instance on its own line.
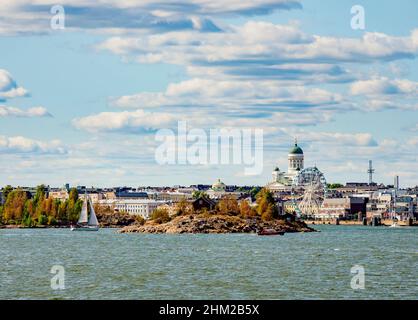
(370, 171)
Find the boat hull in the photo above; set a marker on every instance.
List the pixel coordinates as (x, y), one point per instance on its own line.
(270, 233)
(86, 228)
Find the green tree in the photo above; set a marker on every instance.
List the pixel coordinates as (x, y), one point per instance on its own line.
(74, 205)
(39, 195)
(6, 190)
(334, 185)
(14, 207)
(29, 219)
(62, 212)
(73, 195)
(254, 191)
(245, 210)
(266, 205)
(228, 206)
(42, 220)
(199, 194)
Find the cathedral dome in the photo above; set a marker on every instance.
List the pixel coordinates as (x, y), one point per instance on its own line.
(296, 150)
(219, 186)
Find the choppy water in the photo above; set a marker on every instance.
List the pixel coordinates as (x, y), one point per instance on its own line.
(107, 265)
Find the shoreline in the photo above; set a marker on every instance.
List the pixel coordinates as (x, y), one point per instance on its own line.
(12, 226)
(150, 226)
(384, 223)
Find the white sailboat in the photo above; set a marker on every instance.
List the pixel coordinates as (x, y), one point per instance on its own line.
(84, 222)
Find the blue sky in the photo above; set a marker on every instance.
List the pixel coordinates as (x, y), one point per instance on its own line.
(81, 105)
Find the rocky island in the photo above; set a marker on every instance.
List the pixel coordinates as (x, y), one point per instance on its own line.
(204, 223)
(226, 216)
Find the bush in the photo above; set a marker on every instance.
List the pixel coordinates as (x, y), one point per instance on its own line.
(139, 220)
(245, 210)
(52, 221)
(160, 216)
(228, 206)
(27, 221)
(183, 208)
(42, 220)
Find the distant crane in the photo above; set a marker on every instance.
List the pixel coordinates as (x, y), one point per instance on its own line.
(370, 171)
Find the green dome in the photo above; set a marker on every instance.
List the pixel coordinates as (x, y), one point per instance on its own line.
(296, 150)
(219, 186)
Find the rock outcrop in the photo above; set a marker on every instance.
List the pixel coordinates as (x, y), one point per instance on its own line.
(111, 220)
(216, 224)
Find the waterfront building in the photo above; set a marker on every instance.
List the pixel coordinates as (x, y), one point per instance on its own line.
(334, 208)
(404, 207)
(343, 208)
(143, 207)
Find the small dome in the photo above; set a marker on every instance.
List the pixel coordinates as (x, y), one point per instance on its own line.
(296, 150)
(219, 186)
(276, 169)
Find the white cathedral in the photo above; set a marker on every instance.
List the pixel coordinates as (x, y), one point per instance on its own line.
(283, 180)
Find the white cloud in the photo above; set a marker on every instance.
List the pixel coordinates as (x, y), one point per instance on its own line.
(357, 139)
(33, 16)
(19, 144)
(382, 93)
(236, 94)
(8, 87)
(384, 86)
(129, 121)
(260, 46)
(352, 139)
(6, 111)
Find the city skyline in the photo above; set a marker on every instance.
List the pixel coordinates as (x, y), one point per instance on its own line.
(82, 105)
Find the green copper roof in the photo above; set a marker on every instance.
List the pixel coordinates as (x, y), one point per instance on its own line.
(296, 150)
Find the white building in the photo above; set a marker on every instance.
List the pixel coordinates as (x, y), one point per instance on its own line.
(143, 207)
(283, 180)
(59, 194)
(219, 191)
(334, 208)
(94, 197)
(170, 196)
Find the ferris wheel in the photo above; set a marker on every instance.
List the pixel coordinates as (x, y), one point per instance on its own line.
(309, 189)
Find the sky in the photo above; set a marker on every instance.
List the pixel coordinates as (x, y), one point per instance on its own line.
(82, 104)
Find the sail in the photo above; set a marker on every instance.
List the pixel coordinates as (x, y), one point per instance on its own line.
(93, 219)
(83, 214)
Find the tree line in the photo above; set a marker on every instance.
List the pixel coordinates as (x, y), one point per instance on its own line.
(265, 208)
(20, 208)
